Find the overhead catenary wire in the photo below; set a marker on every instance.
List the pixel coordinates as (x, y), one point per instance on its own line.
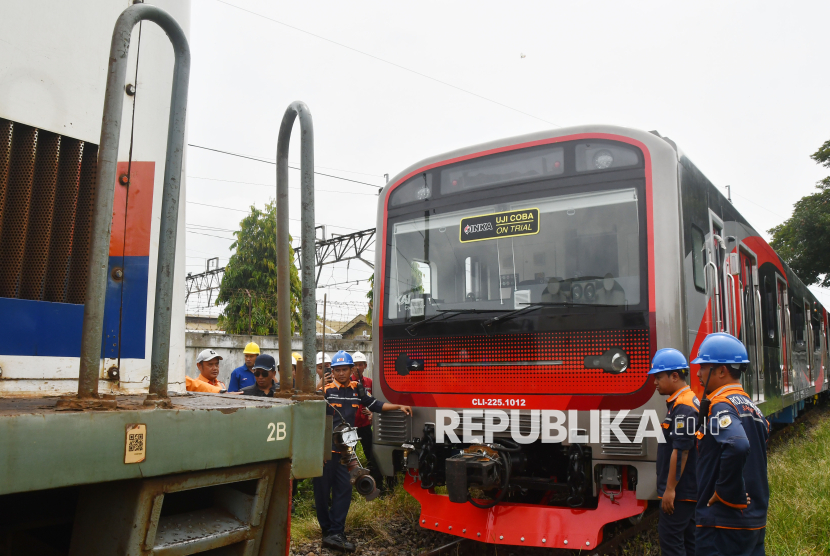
(273, 163)
(248, 212)
(273, 185)
(389, 62)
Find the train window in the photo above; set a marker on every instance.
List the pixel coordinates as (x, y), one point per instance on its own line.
(769, 311)
(698, 268)
(598, 155)
(816, 332)
(585, 249)
(798, 323)
(499, 169)
(415, 189)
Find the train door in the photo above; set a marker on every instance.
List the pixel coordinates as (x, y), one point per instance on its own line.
(817, 348)
(825, 346)
(750, 316)
(807, 327)
(784, 334)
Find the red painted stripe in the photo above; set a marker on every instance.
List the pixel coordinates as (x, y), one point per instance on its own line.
(138, 205)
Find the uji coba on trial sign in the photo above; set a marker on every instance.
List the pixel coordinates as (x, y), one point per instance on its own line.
(499, 225)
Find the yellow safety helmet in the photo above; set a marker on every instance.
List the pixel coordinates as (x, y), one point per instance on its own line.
(296, 356)
(251, 349)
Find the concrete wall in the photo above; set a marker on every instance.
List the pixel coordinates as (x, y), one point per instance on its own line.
(230, 347)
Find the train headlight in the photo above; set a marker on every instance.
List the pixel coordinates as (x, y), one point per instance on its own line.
(613, 361)
(619, 362)
(423, 193)
(603, 159)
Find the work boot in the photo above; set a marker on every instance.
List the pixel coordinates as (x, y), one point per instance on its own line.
(338, 541)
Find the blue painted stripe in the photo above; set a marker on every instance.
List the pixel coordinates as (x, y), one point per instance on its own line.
(45, 329)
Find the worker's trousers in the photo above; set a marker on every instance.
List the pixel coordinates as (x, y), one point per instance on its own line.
(714, 541)
(677, 531)
(333, 496)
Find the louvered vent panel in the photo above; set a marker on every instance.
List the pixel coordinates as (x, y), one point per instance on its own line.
(614, 446)
(46, 195)
(393, 427)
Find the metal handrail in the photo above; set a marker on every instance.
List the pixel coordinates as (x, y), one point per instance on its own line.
(810, 347)
(732, 325)
(788, 332)
(307, 243)
(715, 293)
(93, 323)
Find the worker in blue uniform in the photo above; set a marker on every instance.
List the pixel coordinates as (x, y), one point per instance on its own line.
(676, 457)
(243, 376)
(333, 490)
(733, 491)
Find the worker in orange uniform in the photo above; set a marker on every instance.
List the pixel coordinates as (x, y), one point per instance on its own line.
(676, 457)
(732, 484)
(363, 417)
(208, 364)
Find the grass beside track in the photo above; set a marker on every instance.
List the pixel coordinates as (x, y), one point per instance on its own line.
(365, 519)
(799, 480)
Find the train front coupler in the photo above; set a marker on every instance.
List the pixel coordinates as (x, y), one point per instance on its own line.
(487, 467)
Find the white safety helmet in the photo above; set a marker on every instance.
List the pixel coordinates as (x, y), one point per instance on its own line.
(293, 361)
(207, 355)
(358, 357)
(320, 358)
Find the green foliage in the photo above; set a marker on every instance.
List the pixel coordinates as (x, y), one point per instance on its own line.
(798, 520)
(249, 285)
(371, 297)
(803, 240)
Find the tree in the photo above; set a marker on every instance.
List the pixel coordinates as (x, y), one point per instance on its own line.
(803, 240)
(249, 285)
(371, 297)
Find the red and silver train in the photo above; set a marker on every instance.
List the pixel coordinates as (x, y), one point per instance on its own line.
(542, 272)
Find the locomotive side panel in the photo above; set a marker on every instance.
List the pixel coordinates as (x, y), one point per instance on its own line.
(755, 300)
(52, 77)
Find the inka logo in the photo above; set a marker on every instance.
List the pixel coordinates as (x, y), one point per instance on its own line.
(475, 228)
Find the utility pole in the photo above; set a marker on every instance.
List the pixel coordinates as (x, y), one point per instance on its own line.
(325, 295)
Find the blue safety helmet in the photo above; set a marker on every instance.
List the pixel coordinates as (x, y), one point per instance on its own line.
(721, 348)
(668, 359)
(341, 358)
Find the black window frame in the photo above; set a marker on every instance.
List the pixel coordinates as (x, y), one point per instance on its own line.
(701, 273)
(769, 312)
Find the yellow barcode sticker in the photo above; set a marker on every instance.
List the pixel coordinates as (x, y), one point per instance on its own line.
(135, 450)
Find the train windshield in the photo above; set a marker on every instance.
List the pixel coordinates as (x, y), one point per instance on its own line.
(574, 250)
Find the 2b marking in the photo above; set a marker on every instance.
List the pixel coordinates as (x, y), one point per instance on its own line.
(276, 432)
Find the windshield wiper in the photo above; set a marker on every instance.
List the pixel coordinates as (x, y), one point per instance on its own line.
(533, 306)
(448, 314)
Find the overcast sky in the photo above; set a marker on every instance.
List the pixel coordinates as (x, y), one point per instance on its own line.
(741, 87)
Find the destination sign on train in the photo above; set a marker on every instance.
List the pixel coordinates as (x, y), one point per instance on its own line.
(512, 223)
